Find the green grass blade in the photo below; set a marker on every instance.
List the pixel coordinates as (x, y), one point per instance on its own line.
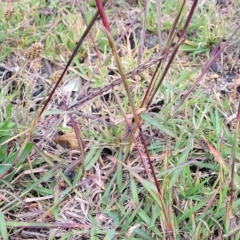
(3, 227)
(158, 125)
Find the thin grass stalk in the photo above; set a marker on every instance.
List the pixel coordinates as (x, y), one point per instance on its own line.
(103, 15)
(39, 225)
(206, 68)
(165, 182)
(176, 20)
(151, 84)
(235, 231)
(71, 58)
(121, 72)
(12, 204)
(233, 164)
(216, 154)
(233, 155)
(93, 117)
(118, 81)
(12, 138)
(78, 136)
(145, 102)
(166, 50)
(211, 201)
(101, 91)
(90, 34)
(34, 124)
(141, 45)
(96, 70)
(165, 54)
(159, 29)
(19, 70)
(190, 15)
(228, 218)
(131, 130)
(168, 225)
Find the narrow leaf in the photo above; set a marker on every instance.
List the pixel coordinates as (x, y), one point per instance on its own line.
(158, 125)
(3, 227)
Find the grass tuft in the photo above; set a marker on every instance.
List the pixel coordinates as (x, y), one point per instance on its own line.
(113, 122)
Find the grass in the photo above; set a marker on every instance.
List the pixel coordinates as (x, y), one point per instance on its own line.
(130, 171)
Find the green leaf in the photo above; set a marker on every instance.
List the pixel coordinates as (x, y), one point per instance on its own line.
(182, 159)
(188, 212)
(3, 227)
(134, 191)
(144, 216)
(92, 158)
(8, 163)
(110, 234)
(129, 221)
(142, 234)
(157, 124)
(115, 217)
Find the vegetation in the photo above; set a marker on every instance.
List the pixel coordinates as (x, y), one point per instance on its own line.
(110, 126)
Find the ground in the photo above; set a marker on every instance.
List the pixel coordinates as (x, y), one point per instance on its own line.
(77, 172)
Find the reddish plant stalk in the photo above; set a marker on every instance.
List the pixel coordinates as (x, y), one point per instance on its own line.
(165, 54)
(190, 15)
(169, 228)
(90, 35)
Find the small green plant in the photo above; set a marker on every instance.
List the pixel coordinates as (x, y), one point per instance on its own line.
(202, 35)
(9, 148)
